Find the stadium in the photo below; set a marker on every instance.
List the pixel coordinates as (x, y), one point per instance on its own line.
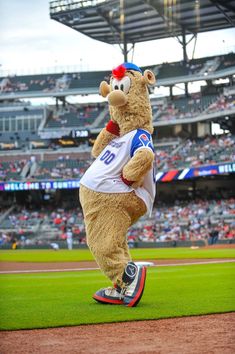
(49, 122)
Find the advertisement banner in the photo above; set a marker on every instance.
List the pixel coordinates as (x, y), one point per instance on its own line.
(194, 172)
(172, 175)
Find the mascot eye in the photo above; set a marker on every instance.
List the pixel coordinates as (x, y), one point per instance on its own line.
(115, 85)
(123, 84)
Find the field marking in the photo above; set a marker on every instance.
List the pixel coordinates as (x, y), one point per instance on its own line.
(94, 268)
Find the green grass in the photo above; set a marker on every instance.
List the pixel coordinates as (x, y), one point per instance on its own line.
(64, 299)
(137, 254)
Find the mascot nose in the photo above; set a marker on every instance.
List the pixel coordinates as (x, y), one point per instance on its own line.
(117, 98)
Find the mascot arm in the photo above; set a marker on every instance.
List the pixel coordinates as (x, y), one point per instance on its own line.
(110, 132)
(134, 171)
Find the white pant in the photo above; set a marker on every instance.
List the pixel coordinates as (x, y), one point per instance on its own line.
(70, 243)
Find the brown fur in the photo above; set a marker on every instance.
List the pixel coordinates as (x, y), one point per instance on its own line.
(107, 219)
(137, 113)
(109, 215)
(139, 165)
(101, 142)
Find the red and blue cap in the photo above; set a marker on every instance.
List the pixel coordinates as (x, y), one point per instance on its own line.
(119, 72)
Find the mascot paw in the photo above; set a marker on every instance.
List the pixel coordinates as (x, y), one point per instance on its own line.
(138, 183)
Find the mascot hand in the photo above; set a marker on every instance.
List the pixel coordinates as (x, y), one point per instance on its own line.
(134, 184)
(138, 184)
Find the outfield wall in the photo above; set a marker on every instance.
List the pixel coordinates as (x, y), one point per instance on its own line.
(167, 244)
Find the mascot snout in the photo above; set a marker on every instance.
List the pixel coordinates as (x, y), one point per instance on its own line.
(117, 98)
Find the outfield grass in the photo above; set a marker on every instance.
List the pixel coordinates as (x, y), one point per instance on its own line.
(64, 299)
(137, 254)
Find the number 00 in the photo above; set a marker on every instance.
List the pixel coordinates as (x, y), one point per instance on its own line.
(107, 157)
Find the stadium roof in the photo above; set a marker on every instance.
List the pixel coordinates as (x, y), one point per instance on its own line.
(132, 21)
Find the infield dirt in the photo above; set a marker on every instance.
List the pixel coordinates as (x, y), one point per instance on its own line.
(194, 335)
(212, 334)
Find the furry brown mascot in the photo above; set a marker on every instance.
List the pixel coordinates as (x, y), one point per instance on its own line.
(118, 188)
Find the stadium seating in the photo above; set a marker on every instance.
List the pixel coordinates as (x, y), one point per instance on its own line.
(182, 154)
(192, 153)
(51, 82)
(183, 107)
(187, 221)
(11, 170)
(183, 221)
(41, 226)
(19, 125)
(83, 116)
(85, 80)
(227, 61)
(61, 168)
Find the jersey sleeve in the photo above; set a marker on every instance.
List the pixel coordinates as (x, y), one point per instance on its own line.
(142, 139)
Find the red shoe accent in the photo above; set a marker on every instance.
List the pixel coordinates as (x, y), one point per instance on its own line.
(141, 288)
(107, 301)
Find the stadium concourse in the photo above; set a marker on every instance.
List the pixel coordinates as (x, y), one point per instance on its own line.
(45, 149)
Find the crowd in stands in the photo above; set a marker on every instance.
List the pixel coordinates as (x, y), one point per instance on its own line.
(181, 107)
(85, 116)
(222, 103)
(202, 66)
(187, 221)
(189, 153)
(44, 83)
(63, 167)
(19, 128)
(181, 221)
(194, 153)
(61, 82)
(73, 116)
(11, 170)
(42, 226)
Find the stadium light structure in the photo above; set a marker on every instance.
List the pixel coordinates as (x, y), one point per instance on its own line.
(126, 22)
(129, 22)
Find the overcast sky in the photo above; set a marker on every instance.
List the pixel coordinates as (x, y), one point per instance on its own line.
(30, 40)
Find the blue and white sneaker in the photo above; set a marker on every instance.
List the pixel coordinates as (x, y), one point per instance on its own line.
(134, 277)
(109, 295)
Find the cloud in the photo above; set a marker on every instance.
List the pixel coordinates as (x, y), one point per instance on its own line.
(29, 39)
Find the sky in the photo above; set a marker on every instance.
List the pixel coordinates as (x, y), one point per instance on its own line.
(30, 42)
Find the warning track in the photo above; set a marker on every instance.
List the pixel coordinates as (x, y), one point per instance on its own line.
(23, 267)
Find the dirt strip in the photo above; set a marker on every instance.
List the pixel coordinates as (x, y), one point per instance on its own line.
(212, 334)
(32, 267)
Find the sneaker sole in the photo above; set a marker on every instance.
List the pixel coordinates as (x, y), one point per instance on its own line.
(139, 293)
(105, 300)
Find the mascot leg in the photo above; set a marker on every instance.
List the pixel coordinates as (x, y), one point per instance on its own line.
(107, 219)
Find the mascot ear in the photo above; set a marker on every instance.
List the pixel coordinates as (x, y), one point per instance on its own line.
(149, 77)
(104, 89)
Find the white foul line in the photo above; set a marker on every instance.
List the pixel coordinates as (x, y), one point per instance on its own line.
(85, 269)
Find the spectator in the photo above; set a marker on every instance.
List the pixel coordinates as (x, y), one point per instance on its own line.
(214, 234)
(69, 235)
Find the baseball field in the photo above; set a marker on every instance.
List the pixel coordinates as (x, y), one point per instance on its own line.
(48, 289)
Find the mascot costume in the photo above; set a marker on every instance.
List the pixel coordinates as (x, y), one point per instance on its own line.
(119, 187)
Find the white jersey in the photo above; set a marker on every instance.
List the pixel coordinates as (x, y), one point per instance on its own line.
(104, 175)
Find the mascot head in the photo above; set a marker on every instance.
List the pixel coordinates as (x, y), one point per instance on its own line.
(128, 97)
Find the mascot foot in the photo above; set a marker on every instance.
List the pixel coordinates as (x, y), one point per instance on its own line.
(109, 296)
(134, 277)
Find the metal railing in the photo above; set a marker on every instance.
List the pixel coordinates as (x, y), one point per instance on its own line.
(67, 5)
